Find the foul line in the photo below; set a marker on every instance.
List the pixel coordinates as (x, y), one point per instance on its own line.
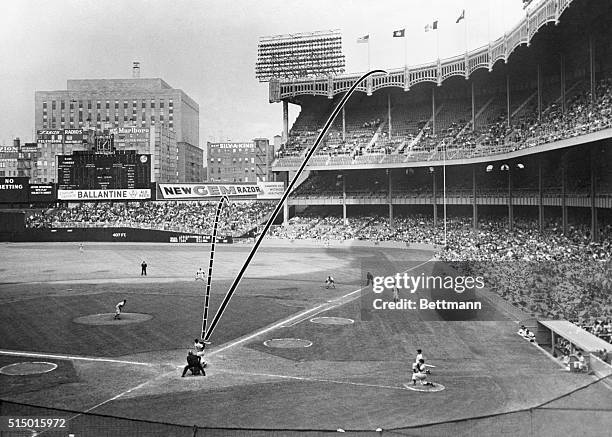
(68, 357)
(342, 300)
(305, 378)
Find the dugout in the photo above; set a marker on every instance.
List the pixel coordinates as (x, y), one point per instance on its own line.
(552, 333)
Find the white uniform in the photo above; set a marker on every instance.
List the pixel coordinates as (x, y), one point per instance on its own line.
(418, 373)
(118, 308)
(200, 275)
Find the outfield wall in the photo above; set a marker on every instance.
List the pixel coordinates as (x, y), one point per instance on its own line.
(107, 235)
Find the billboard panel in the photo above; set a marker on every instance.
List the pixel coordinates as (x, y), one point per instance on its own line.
(50, 136)
(73, 136)
(14, 189)
(42, 193)
(209, 191)
(82, 195)
(131, 134)
(271, 190)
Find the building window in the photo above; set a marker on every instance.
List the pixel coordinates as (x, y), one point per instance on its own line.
(125, 104)
(152, 104)
(107, 104)
(63, 105)
(45, 106)
(53, 104)
(98, 104)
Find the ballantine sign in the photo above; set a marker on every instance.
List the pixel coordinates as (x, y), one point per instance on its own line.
(259, 190)
(118, 194)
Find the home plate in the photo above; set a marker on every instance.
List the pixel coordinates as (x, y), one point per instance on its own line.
(424, 388)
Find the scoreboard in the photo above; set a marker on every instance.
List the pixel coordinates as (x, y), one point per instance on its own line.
(85, 170)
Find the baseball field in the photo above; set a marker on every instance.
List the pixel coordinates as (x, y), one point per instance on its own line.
(287, 355)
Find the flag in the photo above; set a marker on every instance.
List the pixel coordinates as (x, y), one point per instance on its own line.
(461, 17)
(399, 33)
(363, 39)
(431, 26)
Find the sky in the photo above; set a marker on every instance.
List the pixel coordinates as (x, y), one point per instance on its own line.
(209, 48)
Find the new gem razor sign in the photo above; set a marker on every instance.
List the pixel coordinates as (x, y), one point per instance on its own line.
(259, 190)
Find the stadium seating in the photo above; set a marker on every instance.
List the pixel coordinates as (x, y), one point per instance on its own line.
(412, 136)
(236, 219)
(547, 274)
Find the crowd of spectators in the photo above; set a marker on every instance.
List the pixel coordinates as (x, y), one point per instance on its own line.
(580, 115)
(237, 218)
(547, 274)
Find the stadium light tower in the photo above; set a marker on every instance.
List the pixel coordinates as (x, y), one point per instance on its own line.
(312, 54)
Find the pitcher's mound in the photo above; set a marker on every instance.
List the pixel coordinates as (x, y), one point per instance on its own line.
(28, 368)
(109, 319)
(287, 343)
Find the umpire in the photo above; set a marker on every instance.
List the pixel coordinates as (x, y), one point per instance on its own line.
(193, 364)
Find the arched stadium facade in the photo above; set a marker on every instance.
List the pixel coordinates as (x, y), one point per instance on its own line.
(520, 128)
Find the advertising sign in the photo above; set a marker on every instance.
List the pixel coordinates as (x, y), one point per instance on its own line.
(81, 195)
(208, 191)
(73, 136)
(50, 136)
(42, 193)
(131, 134)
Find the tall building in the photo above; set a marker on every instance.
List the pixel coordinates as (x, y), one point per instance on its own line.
(19, 159)
(120, 103)
(240, 162)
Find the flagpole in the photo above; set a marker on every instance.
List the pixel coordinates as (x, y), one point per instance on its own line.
(405, 50)
(437, 44)
(466, 32)
(368, 53)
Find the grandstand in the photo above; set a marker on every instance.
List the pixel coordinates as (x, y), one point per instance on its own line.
(520, 92)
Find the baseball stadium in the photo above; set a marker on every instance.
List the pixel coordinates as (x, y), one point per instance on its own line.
(494, 164)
